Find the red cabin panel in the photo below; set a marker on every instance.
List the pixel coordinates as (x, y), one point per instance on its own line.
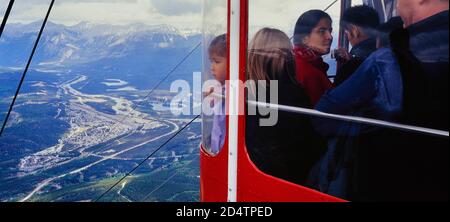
(214, 176)
(255, 186)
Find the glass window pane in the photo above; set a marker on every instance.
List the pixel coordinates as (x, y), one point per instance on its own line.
(215, 54)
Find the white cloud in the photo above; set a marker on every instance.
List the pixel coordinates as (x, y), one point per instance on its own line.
(70, 12)
(177, 7)
(3, 6)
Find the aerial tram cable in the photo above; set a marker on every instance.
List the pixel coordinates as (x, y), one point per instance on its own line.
(27, 67)
(162, 80)
(5, 18)
(172, 71)
(146, 159)
(165, 77)
(139, 103)
(331, 5)
(145, 98)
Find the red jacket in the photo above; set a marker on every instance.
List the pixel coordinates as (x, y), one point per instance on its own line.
(312, 73)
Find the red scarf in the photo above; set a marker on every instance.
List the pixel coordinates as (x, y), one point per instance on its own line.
(311, 57)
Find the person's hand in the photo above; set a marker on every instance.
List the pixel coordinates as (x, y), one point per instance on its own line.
(310, 52)
(342, 55)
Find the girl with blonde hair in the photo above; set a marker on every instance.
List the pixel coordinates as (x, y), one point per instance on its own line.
(290, 148)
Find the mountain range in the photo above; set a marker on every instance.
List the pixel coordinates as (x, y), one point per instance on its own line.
(84, 43)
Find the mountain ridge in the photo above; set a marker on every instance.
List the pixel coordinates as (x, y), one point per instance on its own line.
(85, 42)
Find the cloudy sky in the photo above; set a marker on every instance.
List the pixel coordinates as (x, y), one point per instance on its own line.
(183, 14)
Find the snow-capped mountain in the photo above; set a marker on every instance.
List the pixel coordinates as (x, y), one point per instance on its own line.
(84, 43)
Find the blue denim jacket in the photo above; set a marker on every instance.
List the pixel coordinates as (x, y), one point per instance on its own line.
(375, 90)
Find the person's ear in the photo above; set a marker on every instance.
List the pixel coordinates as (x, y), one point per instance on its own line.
(355, 31)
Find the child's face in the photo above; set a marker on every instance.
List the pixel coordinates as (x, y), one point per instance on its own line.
(219, 68)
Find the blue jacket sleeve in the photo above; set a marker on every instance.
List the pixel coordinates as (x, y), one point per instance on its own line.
(354, 94)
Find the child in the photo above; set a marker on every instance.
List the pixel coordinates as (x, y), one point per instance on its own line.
(218, 57)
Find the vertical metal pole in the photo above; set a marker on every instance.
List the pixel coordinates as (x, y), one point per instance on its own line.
(233, 98)
(343, 40)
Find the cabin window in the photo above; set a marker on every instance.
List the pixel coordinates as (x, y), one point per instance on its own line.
(215, 63)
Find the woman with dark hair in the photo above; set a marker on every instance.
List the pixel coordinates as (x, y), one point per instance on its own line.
(312, 39)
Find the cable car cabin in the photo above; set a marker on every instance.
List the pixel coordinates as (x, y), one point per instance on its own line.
(233, 165)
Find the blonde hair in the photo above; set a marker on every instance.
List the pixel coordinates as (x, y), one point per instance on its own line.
(270, 56)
